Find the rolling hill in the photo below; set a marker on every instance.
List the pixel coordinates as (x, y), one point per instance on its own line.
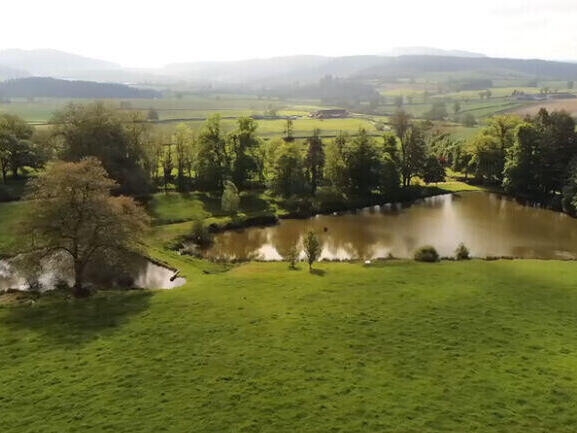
(46, 62)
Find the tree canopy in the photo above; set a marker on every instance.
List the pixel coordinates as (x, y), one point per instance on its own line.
(70, 211)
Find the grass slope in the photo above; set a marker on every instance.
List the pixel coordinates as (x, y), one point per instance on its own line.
(396, 347)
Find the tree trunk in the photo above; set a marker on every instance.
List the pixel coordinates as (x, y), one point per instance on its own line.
(79, 290)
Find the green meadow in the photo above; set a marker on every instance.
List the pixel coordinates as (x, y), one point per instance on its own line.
(394, 346)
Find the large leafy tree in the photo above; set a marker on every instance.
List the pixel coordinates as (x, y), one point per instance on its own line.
(522, 173)
(72, 212)
(359, 165)
(211, 159)
(336, 162)
(116, 138)
(242, 145)
(413, 152)
(363, 164)
(16, 148)
(183, 139)
(288, 172)
(559, 142)
(315, 160)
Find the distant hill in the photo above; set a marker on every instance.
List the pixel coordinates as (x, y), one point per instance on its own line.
(309, 69)
(7, 73)
(428, 51)
(44, 87)
(415, 65)
(288, 71)
(51, 62)
(275, 68)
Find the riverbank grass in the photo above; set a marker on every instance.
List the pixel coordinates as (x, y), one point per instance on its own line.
(392, 346)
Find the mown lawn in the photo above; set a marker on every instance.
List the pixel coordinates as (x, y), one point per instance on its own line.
(395, 347)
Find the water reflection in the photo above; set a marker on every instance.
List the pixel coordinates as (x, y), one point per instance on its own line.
(136, 272)
(489, 224)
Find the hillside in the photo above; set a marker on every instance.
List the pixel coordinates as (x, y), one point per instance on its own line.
(36, 87)
(7, 73)
(430, 51)
(47, 62)
(287, 70)
(415, 65)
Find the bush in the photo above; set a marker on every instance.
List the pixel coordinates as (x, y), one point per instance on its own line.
(426, 254)
(462, 252)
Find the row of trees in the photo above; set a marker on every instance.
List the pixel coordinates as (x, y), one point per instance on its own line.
(141, 160)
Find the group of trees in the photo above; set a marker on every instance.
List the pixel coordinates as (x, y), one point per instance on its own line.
(140, 160)
(535, 156)
(17, 150)
(355, 165)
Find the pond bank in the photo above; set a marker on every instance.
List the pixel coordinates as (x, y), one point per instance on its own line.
(490, 225)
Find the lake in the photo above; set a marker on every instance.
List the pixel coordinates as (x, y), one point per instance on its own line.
(489, 225)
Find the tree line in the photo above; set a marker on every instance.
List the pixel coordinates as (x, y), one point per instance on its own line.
(142, 160)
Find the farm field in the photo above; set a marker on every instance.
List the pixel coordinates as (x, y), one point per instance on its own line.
(569, 105)
(40, 110)
(394, 346)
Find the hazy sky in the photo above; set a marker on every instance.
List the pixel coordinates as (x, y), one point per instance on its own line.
(153, 33)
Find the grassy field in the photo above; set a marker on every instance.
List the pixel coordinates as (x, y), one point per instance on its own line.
(396, 346)
(9, 213)
(40, 110)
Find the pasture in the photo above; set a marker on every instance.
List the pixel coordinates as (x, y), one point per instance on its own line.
(393, 346)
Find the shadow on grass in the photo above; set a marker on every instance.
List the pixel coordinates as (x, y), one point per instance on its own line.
(318, 272)
(72, 322)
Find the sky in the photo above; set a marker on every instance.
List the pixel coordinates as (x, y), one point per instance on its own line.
(148, 33)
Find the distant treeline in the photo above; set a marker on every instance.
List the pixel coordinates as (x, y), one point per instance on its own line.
(44, 87)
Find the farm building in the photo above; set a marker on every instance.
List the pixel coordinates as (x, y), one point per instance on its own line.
(330, 114)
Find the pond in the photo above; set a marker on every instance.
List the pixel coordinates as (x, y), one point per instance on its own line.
(138, 272)
(489, 225)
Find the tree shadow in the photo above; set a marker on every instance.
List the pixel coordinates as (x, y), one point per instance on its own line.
(318, 272)
(72, 322)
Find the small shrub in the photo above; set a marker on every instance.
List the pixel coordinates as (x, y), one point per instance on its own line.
(312, 247)
(462, 252)
(292, 255)
(426, 254)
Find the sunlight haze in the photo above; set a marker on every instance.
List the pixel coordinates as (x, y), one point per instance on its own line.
(147, 34)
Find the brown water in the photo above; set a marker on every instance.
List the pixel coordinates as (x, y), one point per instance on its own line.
(488, 224)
